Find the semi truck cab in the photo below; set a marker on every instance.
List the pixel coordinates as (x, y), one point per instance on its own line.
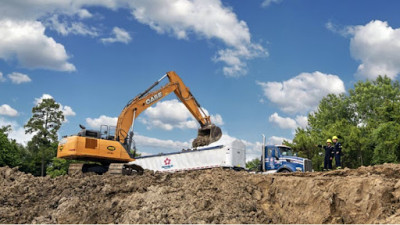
(280, 158)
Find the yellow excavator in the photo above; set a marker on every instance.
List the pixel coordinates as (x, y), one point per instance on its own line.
(112, 148)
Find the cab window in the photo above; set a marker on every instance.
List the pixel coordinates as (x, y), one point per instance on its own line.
(285, 151)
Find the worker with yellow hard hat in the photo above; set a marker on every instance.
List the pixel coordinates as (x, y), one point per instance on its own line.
(328, 154)
(337, 151)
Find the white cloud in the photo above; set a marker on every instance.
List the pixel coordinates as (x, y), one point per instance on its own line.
(217, 119)
(65, 28)
(17, 132)
(377, 46)
(267, 3)
(302, 121)
(18, 78)
(274, 140)
(44, 96)
(2, 79)
(84, 14)
(209, 19)
(302, 93)
(171, 114)
(120, 35)
(102, 120)
(283, 122)
(27, 42)
(6, 110)
(287, 122)
(149, 142)
(67, 110)
(168, 115)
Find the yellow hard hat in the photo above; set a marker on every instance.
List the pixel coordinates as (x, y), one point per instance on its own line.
(334, 137)
(329, 141)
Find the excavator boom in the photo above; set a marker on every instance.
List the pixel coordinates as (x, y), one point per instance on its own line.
(207, 133)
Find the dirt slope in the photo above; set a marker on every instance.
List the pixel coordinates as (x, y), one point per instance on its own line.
(365, 195)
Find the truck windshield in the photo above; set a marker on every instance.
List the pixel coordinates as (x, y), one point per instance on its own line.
(286, 151)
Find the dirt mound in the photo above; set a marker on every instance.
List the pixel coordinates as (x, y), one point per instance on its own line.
(365, 195)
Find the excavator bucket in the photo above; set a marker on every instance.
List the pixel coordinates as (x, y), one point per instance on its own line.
(207, 135)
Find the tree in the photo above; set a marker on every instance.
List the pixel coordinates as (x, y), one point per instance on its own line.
(254, 164)
(58, 167)
(367, 121)
(45, 122)
(10, 151)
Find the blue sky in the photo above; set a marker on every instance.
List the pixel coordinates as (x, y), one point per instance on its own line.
(256, 66)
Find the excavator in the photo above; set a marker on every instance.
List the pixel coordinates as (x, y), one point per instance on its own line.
(112, 149)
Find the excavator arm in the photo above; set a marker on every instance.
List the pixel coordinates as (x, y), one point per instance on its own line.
(207, 133)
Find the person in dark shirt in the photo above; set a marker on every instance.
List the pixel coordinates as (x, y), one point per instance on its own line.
(328, 154)
(338, 152)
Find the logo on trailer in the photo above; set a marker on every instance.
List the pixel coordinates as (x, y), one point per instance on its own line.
(154, 98)
(167, 164)
(111, 148)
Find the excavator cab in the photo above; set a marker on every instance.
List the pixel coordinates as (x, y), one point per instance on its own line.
(207, 135)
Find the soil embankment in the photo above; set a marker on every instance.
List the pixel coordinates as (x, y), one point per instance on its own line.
(364, 195)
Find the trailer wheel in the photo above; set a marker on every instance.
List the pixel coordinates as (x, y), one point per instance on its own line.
(284, 171)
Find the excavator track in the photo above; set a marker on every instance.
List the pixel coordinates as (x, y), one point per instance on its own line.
(113, 168)
(75, 168)
(124, 169)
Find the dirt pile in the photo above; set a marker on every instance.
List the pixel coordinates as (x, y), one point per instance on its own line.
(365, 195)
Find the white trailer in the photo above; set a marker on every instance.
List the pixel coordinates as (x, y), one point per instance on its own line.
(232, 155)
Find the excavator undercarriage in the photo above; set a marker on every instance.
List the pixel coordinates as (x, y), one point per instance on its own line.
(113, 168)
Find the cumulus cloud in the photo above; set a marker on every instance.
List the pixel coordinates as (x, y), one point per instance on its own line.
(2, 79)
(274, 140)
(6, 110)
(120, 35)
(287, 122)
(376, 45)
(267, 3)
(26, 41)
(302, 121)
(67, 110)
(18, 78)
(283, 122)
(209, 19)
(171, 114)
(71, 27)
(17, 132)
(302, 93)
(217, 119)
(102, 120)
(149, 142)
(44, 96)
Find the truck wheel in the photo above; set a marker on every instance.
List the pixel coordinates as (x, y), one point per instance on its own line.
(284, 171)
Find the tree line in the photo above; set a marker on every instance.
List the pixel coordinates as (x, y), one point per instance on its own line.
(38, 157)
(366, 120)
